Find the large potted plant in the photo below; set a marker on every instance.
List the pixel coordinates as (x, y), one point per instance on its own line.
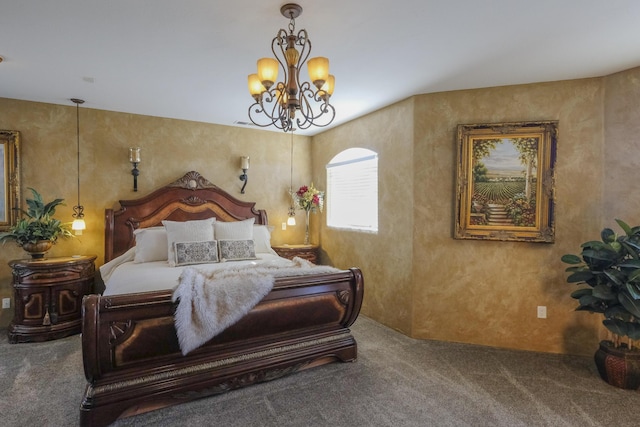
(610, 269)
(37, 230)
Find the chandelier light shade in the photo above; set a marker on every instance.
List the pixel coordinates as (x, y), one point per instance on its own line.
(78, 224)
(291, 102)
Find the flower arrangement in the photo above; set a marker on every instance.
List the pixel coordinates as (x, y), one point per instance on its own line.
(310, 198)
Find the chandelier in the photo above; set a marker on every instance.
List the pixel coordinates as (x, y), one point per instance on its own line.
(279, 103)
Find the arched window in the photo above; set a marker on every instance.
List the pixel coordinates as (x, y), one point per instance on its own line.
(352, 190)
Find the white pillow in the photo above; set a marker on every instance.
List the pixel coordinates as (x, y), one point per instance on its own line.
(234, 230)
(187, 231)
(151, 244)
(262, 239)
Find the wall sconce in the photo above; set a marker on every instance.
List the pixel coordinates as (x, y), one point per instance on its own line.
(134, 158)
(244, 165)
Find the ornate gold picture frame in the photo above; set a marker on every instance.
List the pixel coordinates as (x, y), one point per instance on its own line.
(505, 181)
(9, 178)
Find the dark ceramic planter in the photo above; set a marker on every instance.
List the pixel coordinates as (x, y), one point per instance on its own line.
(37, 250)
(619, 367)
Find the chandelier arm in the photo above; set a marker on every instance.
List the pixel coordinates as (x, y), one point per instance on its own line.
(307, 109)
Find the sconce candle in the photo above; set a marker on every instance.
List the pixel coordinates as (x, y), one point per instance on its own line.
(244, 165)
(134, 155)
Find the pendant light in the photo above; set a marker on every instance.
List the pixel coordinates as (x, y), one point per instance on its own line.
(78, 210)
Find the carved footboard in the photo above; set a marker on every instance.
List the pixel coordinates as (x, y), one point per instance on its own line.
(133, 363)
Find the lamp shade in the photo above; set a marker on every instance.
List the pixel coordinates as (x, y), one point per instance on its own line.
(291, 220)
(255, 86)
(329, 84)
(78, 225)
(267, 71)
(318, 68)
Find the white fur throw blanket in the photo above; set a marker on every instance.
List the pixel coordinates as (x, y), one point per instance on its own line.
(210, 302)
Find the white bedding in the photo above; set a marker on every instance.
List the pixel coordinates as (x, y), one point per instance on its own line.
(123, 276)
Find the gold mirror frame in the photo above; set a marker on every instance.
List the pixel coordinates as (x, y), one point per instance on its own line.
(10, 178)
(505, 181)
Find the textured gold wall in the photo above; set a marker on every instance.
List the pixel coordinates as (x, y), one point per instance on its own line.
(423, 282)
(487, 292)
(386, 257)
(170, 148)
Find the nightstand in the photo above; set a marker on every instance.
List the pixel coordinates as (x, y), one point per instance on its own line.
(308, 252)
(48, 296)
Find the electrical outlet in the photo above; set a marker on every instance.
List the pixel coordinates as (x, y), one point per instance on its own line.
(6, 302)
(284, 225)
(542, 312)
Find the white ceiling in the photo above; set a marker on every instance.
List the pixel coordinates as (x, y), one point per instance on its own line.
(189, 59)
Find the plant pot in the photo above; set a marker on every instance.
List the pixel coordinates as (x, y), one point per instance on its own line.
(38, 249)
(620, 366)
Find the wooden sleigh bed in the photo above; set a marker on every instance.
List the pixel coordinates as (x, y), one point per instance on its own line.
(132, 359)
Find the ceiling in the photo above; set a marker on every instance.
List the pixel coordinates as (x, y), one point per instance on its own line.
(190, 59)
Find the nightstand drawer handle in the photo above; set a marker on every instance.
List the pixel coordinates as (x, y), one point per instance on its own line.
(47, 320)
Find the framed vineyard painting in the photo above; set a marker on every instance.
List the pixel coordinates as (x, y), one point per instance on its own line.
(505, 181)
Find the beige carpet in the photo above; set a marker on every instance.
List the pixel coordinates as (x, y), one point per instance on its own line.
(397, 381)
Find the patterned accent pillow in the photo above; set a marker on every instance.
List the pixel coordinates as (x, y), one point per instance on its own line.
(236, 250)
(196, 252)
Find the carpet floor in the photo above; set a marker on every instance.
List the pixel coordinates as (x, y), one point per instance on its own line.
(396, 381)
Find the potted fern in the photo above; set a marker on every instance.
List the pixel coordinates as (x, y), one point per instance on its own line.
(610, 269)
(37, 230)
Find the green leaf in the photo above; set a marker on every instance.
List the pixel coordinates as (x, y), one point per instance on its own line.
(630, 304)
(593, 244)
(633, 331)
(571, 259)
(588, 300)
(618, 327)
(577, 294)
(615, 276)
(580, 276)
(617, 312)
(624, 226)
(604, 292)
(634, 290)
(608, 235)
(634, 276)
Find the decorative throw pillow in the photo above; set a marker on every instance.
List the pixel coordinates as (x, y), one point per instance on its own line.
(262, 239)
(151, 244)
(196, 252)
(236, 250)
(234, 230)
(187, 231)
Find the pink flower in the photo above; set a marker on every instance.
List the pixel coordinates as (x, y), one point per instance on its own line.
(302, 190)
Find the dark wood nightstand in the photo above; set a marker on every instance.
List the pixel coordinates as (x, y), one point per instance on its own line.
(308, 252)
(48, 297)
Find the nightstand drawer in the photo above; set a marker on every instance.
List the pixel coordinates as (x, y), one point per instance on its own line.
(308, 252)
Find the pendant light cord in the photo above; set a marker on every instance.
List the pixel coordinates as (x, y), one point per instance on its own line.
(78, 141)
(291, 176)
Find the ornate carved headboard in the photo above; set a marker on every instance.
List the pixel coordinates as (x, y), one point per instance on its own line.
(188, 198)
